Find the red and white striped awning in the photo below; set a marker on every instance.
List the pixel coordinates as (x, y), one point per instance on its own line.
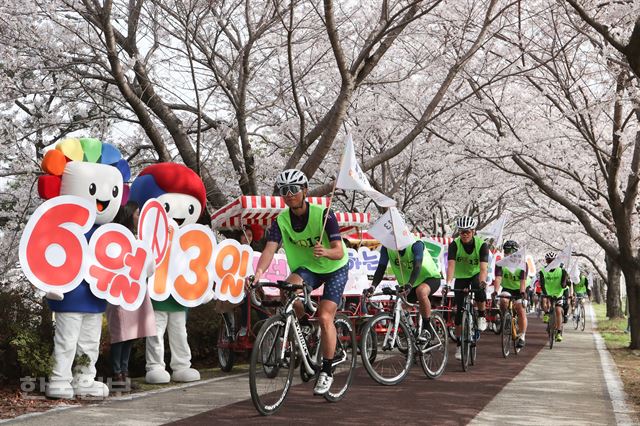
(263, 209)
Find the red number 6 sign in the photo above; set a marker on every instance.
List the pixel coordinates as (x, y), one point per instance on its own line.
(53, 246)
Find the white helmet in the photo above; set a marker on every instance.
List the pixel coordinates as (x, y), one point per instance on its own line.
(550, 256)
(291, 177)
(466, 222)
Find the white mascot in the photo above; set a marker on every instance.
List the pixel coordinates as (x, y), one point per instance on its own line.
(96, 171)
(182, 193)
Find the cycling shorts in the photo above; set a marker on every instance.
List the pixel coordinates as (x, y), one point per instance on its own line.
(334, 282)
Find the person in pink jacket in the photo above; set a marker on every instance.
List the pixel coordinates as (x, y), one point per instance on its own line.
(126, 326)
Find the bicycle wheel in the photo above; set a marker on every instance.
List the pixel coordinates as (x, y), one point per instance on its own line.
(372, 344)
(465, 336)
(475, 335)
(552, 328)
(515, 334)
(344, 359)
(506, 334)
(391, 364)
(497, 323)
(583, 318)
(434, 358)
(226, 356)
(271, 371)
(576, 318)
(452, 334)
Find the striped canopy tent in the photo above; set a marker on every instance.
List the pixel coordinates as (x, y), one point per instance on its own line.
(263, 209)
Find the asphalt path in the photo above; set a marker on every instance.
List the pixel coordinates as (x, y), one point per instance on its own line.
(455, 398)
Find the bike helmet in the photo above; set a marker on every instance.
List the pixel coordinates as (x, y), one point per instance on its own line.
(466, 222)
(550, 256)
(510, 246)
(291, 177)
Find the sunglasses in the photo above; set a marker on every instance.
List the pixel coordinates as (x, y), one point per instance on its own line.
(289, 190)
(465, 231)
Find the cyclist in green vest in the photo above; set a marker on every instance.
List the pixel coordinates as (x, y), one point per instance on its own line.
(580, 289)
(415, 267)
(312, 261)
(514, 284)
(553, 283)
(468, 263)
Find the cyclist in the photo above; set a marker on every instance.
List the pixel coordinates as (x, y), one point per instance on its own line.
(581, 288)
(513, 284)
(553, 283)
(413, 267)
(299, 228)
(468, 263)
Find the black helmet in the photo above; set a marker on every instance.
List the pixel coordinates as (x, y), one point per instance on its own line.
(511, 246)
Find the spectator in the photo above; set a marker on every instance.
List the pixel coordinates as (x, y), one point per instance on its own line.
(126, 326)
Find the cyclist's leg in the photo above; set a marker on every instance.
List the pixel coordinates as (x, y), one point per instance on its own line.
(481, 300)
(334, 284)
(299, 276)
(559, 314)
(423, 291)
(522, 315)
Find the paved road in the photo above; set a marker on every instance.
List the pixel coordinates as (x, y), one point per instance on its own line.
(455, 398)
(518, 390)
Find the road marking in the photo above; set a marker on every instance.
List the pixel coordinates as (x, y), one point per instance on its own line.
(611, 377)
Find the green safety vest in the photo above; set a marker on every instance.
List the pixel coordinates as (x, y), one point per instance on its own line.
(581, 286)
(467, 265)
(298, 246)
(511, 280)
(553, 282)
(428, 269)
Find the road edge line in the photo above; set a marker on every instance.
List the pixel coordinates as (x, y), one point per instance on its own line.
(615, 388)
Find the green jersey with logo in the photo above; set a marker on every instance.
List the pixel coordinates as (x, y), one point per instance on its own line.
(298, 246)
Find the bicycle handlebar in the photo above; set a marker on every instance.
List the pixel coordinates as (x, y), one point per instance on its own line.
(285, 286)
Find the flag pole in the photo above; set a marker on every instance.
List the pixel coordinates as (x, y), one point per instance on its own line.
(324, 222)
(395, 236)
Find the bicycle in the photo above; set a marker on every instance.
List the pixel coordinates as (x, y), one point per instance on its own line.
(396, 335)
(510, 330)
(551, 325)
(469, 334)
(282, 341)
(579, 314)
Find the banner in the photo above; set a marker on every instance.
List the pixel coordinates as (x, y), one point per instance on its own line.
(55, 256)
(351, 176)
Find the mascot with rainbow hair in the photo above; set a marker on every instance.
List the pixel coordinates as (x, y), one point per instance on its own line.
(96, 171)
(182, 193)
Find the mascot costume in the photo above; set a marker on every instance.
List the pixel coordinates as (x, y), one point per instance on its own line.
(181, 191)
(96, 171)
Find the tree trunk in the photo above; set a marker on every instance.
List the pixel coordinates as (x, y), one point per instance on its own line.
(632, 279)
(614, 305)
(596, 290)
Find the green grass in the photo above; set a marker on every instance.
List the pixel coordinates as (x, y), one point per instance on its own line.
(612, 331)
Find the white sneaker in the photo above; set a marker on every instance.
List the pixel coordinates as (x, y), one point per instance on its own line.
(458, 353)
(482, 323)
(323, 384)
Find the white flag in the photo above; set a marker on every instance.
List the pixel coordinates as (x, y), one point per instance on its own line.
(392, 231)
(495, 229)
(574, 273)
(352, 176)
(517, 260)
(564, 257)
